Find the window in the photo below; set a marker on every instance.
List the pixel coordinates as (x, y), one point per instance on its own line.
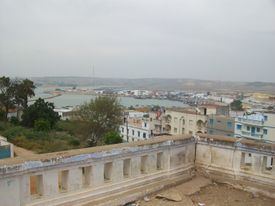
(138, 133)
(86, 176)
(258, 129)
(248, 128)
(144, 135)
(36, 185)
(268, 163)
(63, 177)
(265, 118)
(265, 131)
(145, 124)
(143, 165)
(133, 132)
(160, 161)
(108, 171)
(229, 124)
(239, 127)
(246, 160)
(211, 122)
(122, 129)
(126, 167)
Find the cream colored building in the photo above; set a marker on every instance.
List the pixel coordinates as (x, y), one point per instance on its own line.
(185, 121)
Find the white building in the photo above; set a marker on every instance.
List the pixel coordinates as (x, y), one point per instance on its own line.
(136, 129)
(259, 126)
(64, 113)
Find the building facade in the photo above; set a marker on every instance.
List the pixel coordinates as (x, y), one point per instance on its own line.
(185, 122)
(260, 126)
(136, 129)
(220, 125)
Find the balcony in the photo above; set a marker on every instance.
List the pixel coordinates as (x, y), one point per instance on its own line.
(251, 121)
(251, 135)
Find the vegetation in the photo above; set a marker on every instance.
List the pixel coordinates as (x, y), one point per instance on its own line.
(7, 95)
(41, 141)
(236, 105)
(112, 138)
(39, 112)
(104, 114)
(41, 129)
(14, 93)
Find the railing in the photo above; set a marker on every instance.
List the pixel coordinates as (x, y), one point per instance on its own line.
(250, 121)
(251, 135)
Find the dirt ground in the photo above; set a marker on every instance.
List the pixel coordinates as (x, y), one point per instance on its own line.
(203, 192)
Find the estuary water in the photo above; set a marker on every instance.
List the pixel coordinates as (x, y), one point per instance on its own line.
(78, 99)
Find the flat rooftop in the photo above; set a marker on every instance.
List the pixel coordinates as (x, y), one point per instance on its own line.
(204, 192)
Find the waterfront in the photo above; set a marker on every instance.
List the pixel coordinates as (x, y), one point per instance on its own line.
(78, 99)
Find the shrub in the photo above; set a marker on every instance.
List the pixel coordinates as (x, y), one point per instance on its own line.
(112, 138)
(74, 142)
(14, 121)
(42, 125)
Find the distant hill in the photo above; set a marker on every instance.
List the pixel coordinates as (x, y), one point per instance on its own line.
(159, 84)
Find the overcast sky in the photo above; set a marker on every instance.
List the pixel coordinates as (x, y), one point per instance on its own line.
(201, 39)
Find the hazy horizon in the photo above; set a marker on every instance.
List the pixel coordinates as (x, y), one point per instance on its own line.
(132, 78)
(220, 40)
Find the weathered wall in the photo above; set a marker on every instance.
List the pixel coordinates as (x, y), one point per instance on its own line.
(82, 175)
(243, 163)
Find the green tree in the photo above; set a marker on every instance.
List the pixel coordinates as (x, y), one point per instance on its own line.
(236, 105)
(14, 93)
(7, 95)
(40, 110)
(104, 114)
(24, 90)
(112, 138)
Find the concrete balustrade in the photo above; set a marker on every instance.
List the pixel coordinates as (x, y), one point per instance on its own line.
(56, 178)
(80, 176)
(245, 163)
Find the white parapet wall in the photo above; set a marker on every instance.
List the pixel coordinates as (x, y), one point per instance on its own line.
(246, 164)
(133, 170)
(79, 176)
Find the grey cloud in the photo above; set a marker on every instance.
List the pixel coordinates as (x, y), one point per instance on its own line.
(204, 39)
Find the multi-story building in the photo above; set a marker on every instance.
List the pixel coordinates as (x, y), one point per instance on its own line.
(259, 126)
(137, 126)
(136, 129)
(217, 108)
(220, 125)
(185, 121)
(141, 125)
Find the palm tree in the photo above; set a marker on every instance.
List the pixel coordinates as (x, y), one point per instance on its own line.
(24, 90)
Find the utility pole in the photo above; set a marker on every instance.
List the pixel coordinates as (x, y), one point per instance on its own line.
(126, 125)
